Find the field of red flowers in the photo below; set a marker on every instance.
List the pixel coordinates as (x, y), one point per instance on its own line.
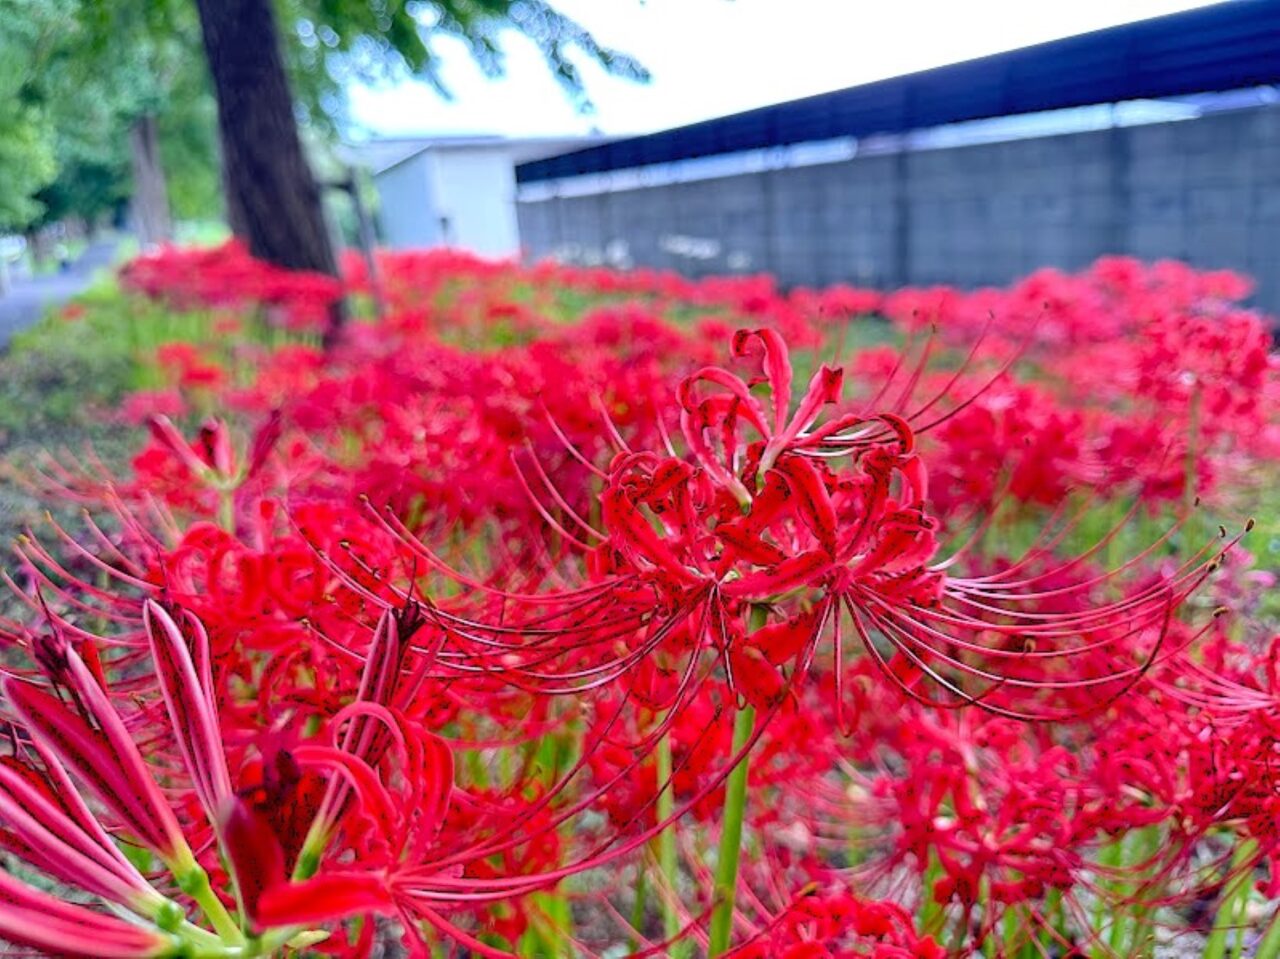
(560, 612)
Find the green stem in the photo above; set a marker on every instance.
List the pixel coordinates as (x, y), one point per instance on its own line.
(668, 860)
(1128, 926)
(309, 857)
(1011, 931)
(735, 802)
(933, 914)
(1108, 858)
(988, 919)
(194, 881)
(1269, 947)
(199, 938)
(1241, 918)
(549, 933)
(1054, 919)
(1143, 940)
(1234, 898)
(226, 507)
(638, 908)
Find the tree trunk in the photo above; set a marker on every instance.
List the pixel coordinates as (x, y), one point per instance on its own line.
(273, 202)
(150, 194)
(36, 249)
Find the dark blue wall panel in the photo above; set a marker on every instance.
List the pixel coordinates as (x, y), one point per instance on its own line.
(1227, 46)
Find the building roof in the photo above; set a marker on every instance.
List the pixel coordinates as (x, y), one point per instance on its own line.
(383, 153)
(1227, 46)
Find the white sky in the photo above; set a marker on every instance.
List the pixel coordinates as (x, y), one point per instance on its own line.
(712, 57)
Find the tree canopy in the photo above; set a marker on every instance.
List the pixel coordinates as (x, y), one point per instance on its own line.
(76, 75)
(27, 156)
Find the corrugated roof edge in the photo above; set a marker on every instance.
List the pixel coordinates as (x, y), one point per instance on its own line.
(1226, 46)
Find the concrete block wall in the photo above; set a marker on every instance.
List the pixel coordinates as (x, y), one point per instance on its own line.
(1205, 190)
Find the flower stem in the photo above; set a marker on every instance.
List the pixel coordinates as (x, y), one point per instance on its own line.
(1234, 898)
(227, 509)
(933, 914)
(668, 862)
(1129, 926)
(735, 802)
(194, 881)
(1108, 859)
(1269, 947)
(638, 907)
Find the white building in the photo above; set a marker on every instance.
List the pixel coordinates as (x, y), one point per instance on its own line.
(457, 191)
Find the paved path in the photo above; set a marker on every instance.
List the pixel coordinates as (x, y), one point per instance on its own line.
(27, 300)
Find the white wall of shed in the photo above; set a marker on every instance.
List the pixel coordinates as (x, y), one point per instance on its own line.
(407, 213)
(476, 200)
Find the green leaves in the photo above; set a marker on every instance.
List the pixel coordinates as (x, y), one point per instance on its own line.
(386, 39)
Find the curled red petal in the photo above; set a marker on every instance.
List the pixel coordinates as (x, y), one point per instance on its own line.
(802, 570)
(327, 898)
(812, 499)
(256, 856)
(776, 367)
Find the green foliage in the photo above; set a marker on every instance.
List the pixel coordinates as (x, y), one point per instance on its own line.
(144, 58)
(92, 159)
(339, 41)
(26, 165)
(69, 381)
(189, 147)
(54, 385)
(75, 75)
(27, 161)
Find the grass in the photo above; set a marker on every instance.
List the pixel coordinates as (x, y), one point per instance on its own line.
(59, 385)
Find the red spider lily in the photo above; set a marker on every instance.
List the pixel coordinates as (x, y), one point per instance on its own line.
(38, 920)
(94, 743)
(687, 545)
(227, 275)
(211, 458)
(183, 671)
(836, 924)
(469, 775)
(51, 827)
(212, 462)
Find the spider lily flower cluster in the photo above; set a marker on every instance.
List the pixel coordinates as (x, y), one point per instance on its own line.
(525, 632)
(689, 544)
(77, 742)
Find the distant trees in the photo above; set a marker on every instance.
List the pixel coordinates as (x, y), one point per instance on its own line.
(110, 92)
(27, 162)
(149, 70)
